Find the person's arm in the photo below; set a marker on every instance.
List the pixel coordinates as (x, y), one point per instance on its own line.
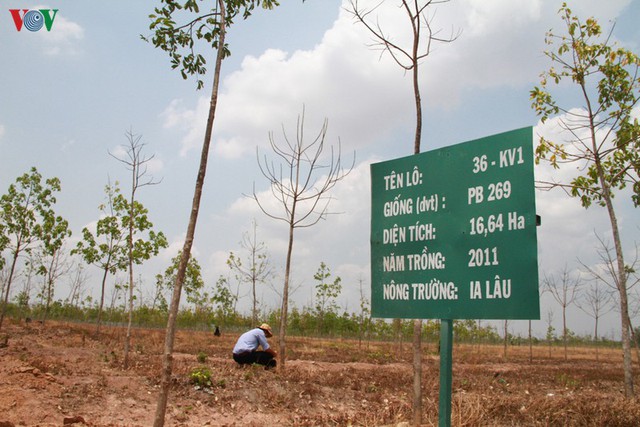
(271, 352)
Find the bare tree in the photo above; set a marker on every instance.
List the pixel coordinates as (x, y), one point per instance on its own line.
(595, 302)
(77, 282)
(256, 267)
(302, 194)
(565, 291)
(53, 263)
(136, 162)
(605, 272)
(409, 59)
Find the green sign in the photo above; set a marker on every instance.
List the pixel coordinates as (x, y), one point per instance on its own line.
(453, 232)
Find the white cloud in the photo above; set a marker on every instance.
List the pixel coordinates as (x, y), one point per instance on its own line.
(191, 122)
(216, 265)
(154, 166)
(64, 37)
(339, 79)
(67, 145)
(481, 17)
(365, 95)
(175, 246)
(119, 152)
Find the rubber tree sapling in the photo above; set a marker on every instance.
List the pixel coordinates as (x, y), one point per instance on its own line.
(179, 42)
(603, 136)
(25, 211)
(301, 186)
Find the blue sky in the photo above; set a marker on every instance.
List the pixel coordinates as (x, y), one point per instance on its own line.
(69, 96)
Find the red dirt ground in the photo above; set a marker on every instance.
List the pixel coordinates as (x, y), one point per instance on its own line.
(64, 374)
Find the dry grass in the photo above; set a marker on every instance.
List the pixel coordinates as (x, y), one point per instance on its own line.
(334, 382)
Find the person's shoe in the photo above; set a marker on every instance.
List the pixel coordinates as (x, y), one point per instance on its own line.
(270, 365)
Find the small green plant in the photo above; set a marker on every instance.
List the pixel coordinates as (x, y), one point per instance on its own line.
(202, 357)
(380, 356)
(200, 376)
(567, 380)
(371, 388)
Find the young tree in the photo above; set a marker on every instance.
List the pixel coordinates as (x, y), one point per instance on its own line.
(326, 293)
(364, 318)
(255, 269)
(224, 299)
(24, 296)
(420, 38)
(505, 337)
(159, 301)
(138, 250)
(302, 195)
(77, 283)
(193, 283)
(408, 58)
(26, 216)
(52, 264)
(595, 303)
(551, 331)
(530, 339)
(51, 258)
(179, 41)
(565, 291)
(604, 136)
(605, 272)
(4, 242)
(106, 249)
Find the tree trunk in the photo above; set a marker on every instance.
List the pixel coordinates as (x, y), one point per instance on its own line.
(530, 344)
(6, 294)
(417, 326)
(167, 362)
(127, 340)
(506, 337)
(621, 282)
(285, 296)
(564, 332)
(416, 92)
(254, 311)
(100, 308)
(621, 279)
(417, 372)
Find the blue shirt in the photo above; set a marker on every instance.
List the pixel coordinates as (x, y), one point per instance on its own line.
(250, 341)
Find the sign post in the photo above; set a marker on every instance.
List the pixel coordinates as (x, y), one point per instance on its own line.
(453, 233)
(446, 369)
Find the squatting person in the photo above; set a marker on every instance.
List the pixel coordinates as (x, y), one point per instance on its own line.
(246, 352)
